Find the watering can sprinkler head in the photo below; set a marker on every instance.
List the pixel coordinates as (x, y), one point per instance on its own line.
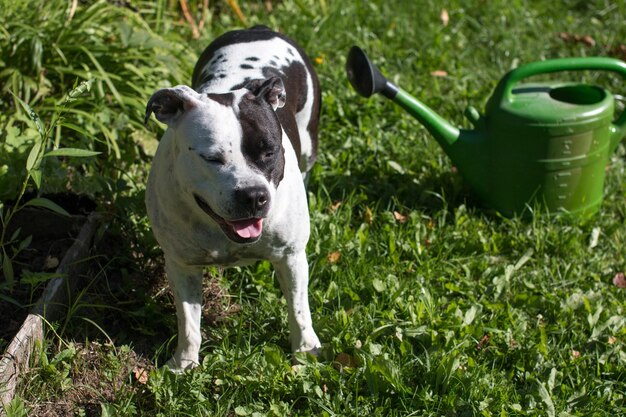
(367, 80)
(365, 77)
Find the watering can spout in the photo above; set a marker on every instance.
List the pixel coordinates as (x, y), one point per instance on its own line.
(368, 80)
(466, 148)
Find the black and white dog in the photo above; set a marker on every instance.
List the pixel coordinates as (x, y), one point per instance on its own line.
(226, 185)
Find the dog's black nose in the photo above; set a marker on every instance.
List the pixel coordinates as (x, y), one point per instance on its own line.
(253, 198)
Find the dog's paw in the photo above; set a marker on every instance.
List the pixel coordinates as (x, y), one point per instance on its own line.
(308, 342)
(303, 357)
(179, 366)
(306, 354)
(314, 351)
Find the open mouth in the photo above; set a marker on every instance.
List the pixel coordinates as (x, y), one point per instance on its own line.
(240, 230)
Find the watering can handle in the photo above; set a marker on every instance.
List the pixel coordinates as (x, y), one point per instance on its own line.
(568, 64)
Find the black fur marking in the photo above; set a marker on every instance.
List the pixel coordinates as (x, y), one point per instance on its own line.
(252, 58)
(247, 83)
(262, 138)
(243, 84)
(226, 99)
(246, 66)
(294, 79)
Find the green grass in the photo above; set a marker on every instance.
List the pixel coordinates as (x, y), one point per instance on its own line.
(426, 304)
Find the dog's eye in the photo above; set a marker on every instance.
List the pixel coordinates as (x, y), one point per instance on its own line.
(268, 152)
(213, 159)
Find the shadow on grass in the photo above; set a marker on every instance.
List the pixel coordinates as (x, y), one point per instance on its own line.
(125, 300)
(129, 301)
(430, 191)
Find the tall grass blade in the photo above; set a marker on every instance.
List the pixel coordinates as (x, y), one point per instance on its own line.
(48, 204)
(34, 156)
(32, 115)
(7, 269)
(73, 152)
(105, 76)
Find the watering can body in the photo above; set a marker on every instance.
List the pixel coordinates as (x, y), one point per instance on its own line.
(536, 145)
(551, 145)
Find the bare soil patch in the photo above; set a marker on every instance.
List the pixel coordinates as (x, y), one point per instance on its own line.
(51, 236)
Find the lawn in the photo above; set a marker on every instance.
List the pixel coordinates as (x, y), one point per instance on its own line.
(426, 303)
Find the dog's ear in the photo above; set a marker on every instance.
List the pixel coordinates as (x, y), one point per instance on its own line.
(169, 104)
(271, 90)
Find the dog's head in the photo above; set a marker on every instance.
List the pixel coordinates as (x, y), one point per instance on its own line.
(228, 154)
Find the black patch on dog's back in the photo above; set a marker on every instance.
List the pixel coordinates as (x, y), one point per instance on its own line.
(256, 33)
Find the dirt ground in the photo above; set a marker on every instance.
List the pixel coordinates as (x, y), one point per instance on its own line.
(125, 292)
(51, 235)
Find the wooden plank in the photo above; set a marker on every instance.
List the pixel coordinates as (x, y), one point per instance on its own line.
(17, 356)
(50, 307)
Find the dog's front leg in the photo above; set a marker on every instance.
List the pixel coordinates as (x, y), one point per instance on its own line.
(293, 276)
(186, 284)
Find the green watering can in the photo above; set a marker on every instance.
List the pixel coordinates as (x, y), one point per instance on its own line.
(546, 143)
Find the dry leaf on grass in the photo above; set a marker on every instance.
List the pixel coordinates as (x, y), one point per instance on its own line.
(334, 257)
(400, 218)
(344, 360)
(368, 216)
(141, 375)
(439, 73)
(445, 17)
(573, 38)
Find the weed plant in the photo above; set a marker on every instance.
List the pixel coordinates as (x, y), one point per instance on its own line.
(49, 47)
(72, 82)
(427, 304)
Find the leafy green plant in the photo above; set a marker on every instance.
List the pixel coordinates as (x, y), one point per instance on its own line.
(17, 408)
(43, 109)
(42, 59)
(40, 151)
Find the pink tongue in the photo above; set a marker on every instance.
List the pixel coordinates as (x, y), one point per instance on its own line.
(247, 229)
